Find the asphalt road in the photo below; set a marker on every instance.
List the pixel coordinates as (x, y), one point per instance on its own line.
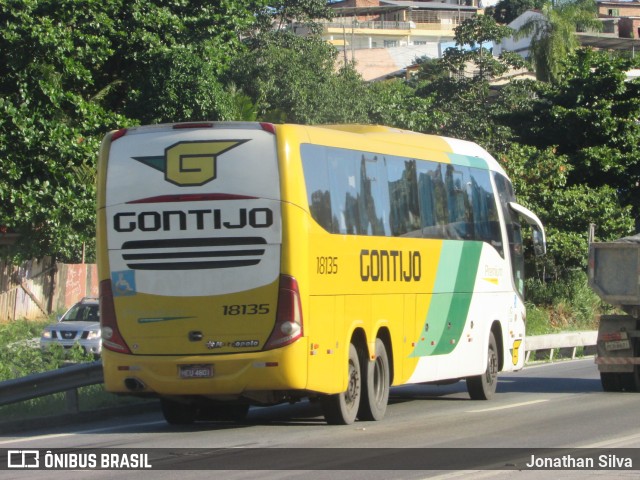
(559, 406)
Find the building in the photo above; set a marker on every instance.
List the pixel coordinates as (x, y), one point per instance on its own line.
(384, 37)
(618, 9)
(621, 17)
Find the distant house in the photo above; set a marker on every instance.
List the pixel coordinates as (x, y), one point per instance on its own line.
(384, 37)
(618, 9)
(623, 16)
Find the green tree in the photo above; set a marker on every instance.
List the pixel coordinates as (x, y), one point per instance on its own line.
(505, 11)
(591, 115)
(291, 78)
(553, 34)
(458, 84)
(541, 181)
(50, 123)
(395, 103)
(473, 38)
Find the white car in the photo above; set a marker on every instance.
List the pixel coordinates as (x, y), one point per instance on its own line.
(80, 324)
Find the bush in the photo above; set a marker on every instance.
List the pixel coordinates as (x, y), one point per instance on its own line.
(563, 304)
(20, 353)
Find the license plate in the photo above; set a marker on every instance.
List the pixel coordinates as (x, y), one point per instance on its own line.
(617, 345)
(196, 371)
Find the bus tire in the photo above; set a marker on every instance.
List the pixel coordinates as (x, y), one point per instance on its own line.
(342, 408)
(176, 413)
(483, 387)
(375, 387)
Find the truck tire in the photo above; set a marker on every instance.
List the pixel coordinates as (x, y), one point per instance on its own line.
(611, 381)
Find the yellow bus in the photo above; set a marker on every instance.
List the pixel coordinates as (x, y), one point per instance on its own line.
(252, 264)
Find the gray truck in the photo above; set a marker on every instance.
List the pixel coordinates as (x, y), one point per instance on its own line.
(614, 274)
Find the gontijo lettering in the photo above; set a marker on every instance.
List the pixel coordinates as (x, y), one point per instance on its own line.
(200, 219)
(390, 266)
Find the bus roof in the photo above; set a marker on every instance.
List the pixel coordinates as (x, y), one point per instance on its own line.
(380, 133)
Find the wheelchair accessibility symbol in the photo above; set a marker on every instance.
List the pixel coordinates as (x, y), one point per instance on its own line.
(124, 283)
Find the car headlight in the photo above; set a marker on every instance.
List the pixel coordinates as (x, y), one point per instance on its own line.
(46, 334)
(93, 334)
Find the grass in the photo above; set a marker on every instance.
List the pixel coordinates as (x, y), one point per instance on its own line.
(20, 356)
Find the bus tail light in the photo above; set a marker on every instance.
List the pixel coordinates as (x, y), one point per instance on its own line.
(288, 327)
(118, 134)
(111, 337)
(268, 127)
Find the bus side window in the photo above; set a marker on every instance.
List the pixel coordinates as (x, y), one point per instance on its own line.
(345, 190)
(486, 221)
(404, 217)
(316, 175)
(374, 205)
(432, 199)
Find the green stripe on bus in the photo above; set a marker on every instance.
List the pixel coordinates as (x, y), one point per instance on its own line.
(468, 161)
(448, 311)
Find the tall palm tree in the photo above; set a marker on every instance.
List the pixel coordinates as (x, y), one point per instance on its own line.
(553, 34)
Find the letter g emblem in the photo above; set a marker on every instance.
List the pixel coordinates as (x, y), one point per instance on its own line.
(194, 163)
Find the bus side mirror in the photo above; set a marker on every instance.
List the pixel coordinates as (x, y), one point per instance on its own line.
(539, 243)
(539, 238)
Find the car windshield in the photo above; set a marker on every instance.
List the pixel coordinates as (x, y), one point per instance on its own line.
(82, 313)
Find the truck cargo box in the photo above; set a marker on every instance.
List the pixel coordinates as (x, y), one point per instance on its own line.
(614, 271)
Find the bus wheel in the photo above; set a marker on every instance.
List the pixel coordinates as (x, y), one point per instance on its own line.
(375, 388)
(483, 387)
(176, 413)
(342, 408)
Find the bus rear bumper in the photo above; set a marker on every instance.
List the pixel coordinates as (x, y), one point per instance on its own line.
(214, 376)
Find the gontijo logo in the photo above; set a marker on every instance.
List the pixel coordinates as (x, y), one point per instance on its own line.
(190, 164)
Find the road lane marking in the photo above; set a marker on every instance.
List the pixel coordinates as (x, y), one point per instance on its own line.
(506, 407)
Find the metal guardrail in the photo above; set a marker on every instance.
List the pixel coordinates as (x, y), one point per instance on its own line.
(558, 341)
(69, 379)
